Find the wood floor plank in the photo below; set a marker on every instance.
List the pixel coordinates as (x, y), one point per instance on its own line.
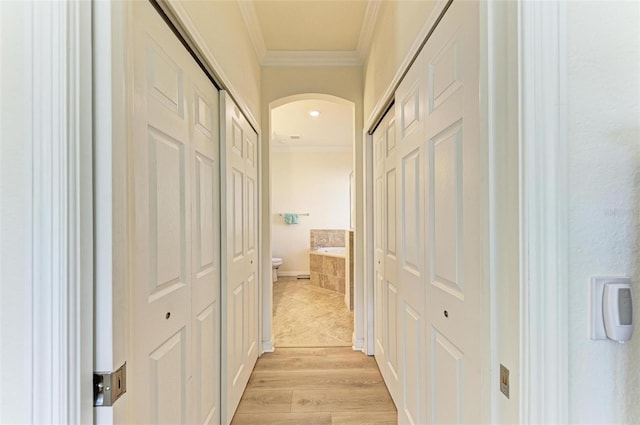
(314, 360)
(265, 401)
(364, 418)
(315, 379)
(282, 419)
(365, 400)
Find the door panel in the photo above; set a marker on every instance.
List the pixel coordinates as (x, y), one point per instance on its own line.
(175, 232)
(454, 295)
(204, 121)
(411, 266)
(432, 270)
(168, 381)
(240, 289)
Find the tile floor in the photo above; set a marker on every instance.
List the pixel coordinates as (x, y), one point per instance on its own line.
(305, 315)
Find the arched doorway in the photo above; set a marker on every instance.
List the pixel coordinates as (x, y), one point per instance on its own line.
(310, 149)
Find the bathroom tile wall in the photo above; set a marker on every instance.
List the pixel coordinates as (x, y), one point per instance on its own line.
(327, 272)
(327, 237)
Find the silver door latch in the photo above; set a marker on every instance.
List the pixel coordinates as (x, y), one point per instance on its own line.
(109, 386)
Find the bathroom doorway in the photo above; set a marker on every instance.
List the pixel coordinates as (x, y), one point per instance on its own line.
(312, 162)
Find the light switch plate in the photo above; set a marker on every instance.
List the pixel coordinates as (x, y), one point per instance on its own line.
(596, 322)
(504, 380)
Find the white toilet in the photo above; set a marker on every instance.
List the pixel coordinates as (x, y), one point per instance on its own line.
(275, 264)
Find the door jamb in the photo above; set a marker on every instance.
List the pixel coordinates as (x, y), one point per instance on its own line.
(62, 270)
(543, 212)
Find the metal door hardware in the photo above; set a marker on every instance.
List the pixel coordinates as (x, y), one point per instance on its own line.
(109, 386)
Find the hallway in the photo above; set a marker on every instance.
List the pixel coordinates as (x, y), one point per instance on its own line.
(305, 386)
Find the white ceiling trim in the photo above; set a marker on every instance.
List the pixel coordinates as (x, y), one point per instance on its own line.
(311, 58)
(311, 148)
(305, 57)
(368, 24)
(252, 23)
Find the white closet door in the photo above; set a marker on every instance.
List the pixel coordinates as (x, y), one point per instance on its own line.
(386, 290)
(174, 367)
(240, 265)
(411, 187)
(205, 207)
(454, 283)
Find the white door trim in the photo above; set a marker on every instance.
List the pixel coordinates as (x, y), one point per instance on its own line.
(62, 212)
(543, 213)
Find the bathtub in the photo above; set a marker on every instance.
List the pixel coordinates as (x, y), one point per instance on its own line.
(336, 251)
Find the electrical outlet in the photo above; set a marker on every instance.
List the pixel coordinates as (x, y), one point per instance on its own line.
(504, 380)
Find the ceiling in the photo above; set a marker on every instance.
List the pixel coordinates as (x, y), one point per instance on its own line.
(331, 131)
(310, 32)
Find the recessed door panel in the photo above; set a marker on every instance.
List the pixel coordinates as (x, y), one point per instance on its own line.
(446, 205)
(251, 214)
(445, 73)
(390, 226)
(207, 363)
(237, 337)
(250, 315)
(410, 110)
(392, 328)
(412, 212)
(204, 116)
(382, 314)
(168, 379)
(447, 368)
(165, 79)
(205, 251)
(238, 224)
(166, 212)
(379, 216)
(411, 347)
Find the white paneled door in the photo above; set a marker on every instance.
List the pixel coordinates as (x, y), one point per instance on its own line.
(454, 325)
(240, 254)
(175, 363)
(427, 231)
(385, 261)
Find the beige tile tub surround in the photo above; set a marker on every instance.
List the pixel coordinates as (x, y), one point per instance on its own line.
(328, 272)
(321, 238)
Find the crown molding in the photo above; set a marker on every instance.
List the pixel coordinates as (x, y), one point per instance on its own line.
(368, 25)
(311, 58)
(275, 58)
(248, 12)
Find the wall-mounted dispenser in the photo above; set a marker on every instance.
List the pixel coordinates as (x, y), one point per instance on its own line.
(611, 308)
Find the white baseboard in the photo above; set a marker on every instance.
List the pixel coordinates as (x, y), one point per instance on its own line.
(267, 347)
(292, 273)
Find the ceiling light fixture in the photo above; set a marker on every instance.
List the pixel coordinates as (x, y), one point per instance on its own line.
(314, 114)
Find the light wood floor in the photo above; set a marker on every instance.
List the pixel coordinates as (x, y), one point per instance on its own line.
(316, 386)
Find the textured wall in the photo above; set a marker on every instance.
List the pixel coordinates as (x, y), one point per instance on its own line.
(220, 23)
(398, 25)
(603, 65)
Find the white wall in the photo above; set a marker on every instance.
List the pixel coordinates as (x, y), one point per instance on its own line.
(221, 27)
(398, 25)
(603, 81)
(16, 215)
(310, 182)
